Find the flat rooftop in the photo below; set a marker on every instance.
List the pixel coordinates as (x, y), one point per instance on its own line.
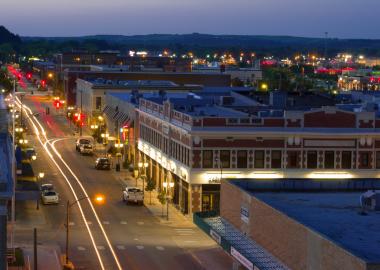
(335, 215)
(332, 211)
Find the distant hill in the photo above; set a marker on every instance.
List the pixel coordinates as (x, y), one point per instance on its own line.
(204, 42)
(7, 37)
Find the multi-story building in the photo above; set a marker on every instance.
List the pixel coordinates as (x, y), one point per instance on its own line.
(197, 140)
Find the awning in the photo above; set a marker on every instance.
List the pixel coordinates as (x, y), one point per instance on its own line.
(108, 111)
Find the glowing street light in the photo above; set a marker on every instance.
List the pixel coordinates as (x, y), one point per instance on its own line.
(167, 185)
(41, 175)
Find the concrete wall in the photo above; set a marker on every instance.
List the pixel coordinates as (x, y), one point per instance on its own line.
(294, 244)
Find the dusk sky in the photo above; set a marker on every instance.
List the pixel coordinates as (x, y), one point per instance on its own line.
(341, 18)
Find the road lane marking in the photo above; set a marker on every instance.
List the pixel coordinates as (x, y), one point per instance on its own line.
(123, 222)
(71, 223)
(186, 234)
(136, 239)
(106, 222)
(140, 222)
(140, 247)
(100, 247)
(81, 248)
(160, 248)
(89, 223)
(120, 247)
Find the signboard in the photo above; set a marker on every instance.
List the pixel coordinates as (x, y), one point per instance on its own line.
(244, 214)
(214, 235)
(240, 258)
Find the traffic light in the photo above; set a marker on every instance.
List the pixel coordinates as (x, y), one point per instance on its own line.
(57, 104)
(28, 76)
(43, 83)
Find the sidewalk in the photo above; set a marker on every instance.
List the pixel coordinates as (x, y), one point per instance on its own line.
(176, 218)
(47, 257)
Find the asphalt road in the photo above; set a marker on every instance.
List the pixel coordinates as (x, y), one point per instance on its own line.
(126, 234)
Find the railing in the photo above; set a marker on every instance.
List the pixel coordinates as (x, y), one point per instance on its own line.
(198, 219)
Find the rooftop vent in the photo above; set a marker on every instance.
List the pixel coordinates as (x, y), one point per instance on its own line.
(370, 200)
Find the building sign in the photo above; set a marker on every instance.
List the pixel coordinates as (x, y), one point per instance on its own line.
(244, 214)
(214, 235)
(240, 258)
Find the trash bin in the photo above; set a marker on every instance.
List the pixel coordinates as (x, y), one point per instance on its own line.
(118, 167)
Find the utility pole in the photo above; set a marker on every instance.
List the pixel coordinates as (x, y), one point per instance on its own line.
(35, 249)
(81, 108)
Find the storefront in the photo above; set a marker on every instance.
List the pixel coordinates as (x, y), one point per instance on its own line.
(210, 197)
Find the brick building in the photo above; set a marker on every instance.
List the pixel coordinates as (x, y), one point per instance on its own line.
(208, 80)
(306, 224)
(196, 140)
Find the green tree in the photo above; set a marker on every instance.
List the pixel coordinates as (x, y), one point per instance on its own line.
(162, 199)
(150, 186)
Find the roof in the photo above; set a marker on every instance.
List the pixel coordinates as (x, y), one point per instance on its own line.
(329, 207)
(335, 215)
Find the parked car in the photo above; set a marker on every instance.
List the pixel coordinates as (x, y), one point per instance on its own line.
(133, 194)
(86, 149)
(46, 187)
(80, 142)
(50, 197)
(102, 163)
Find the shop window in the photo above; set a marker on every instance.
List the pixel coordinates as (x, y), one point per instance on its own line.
(276, 157)
(259, 159)
(225, 158)
(329, 160)
(207, 159)
(293, 159)
(312, 159)
(242, 159)
(346, 159)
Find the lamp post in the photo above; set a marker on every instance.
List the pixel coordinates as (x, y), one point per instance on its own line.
(167, 186)
(118, 154)
(105, 138)
(142, 166)
(99, 199)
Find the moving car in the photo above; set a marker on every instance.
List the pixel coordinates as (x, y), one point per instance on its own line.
(82, 141)
(86, 148)
(133, 194)
(49, 197)
(103, 163)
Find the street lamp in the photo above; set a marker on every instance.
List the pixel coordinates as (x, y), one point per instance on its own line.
(167, 186)
(142, 166)
(41, 175)
(118, 154)
(99, 199)
(105, 138)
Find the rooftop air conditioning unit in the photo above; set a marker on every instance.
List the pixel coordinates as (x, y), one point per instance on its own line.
(370, 200)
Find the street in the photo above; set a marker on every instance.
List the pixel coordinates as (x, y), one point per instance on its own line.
(108, 236)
